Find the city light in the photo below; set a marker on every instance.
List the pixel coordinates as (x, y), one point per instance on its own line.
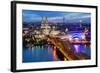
(55, 40)
(76, 35)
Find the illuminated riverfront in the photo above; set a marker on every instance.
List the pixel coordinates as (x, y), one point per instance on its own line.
(56, 36)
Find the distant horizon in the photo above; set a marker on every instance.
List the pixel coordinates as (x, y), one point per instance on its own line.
(33, 16)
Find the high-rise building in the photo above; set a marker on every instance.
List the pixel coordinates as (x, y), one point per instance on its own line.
(80, 23)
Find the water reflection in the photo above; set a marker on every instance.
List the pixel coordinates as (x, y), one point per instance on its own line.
(83, 49)
(39, 54)
(50, 53)
(77, 47)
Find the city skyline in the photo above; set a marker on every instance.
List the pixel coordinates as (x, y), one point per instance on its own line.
(51, 36)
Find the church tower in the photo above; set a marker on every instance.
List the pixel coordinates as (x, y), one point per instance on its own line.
(45, 26)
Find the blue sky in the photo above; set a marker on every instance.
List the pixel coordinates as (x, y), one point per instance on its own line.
(53, 16)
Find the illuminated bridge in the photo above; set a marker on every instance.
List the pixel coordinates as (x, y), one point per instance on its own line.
(65, 48)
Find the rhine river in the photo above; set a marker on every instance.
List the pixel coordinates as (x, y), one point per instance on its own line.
(47, 53)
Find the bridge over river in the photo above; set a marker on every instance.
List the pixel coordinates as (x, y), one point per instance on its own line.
(65, 48)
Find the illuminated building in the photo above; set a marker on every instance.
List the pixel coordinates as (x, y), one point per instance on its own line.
(54, 31)
(45, 28)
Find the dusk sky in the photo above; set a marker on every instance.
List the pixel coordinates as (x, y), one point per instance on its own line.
(53, 16)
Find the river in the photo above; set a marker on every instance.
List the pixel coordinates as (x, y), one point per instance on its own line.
(47, 53)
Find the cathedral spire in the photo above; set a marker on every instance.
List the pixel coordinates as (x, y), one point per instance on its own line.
(44, 20)
(45, 26)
